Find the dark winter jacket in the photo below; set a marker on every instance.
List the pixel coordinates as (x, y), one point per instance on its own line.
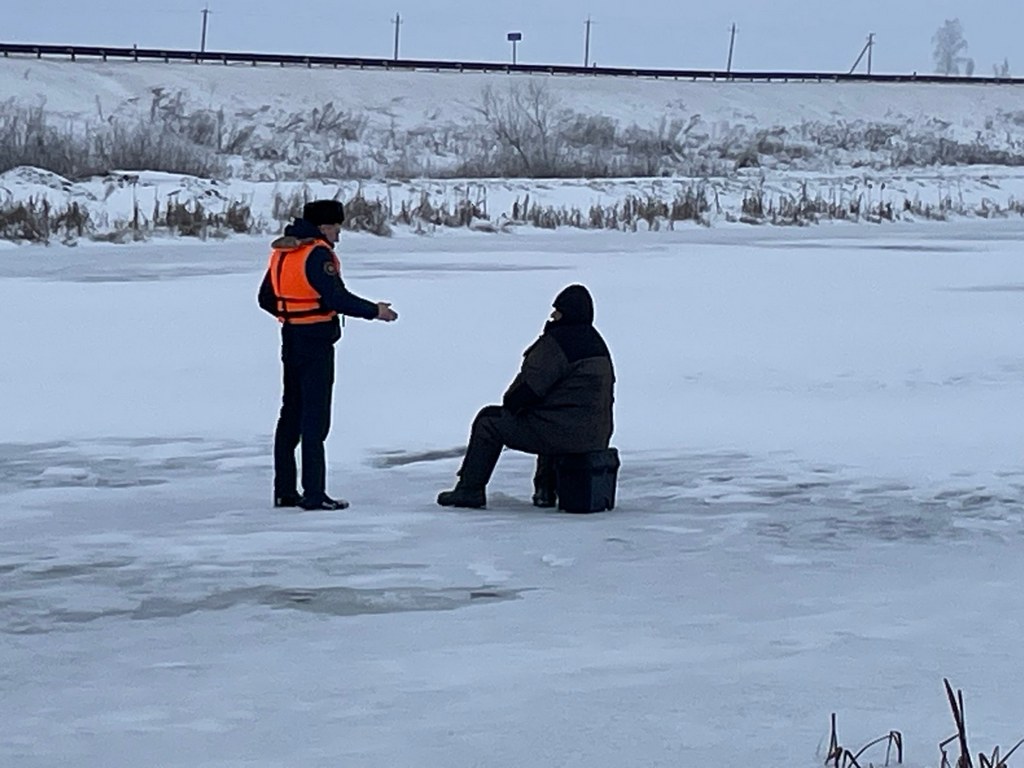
(565, 388)
(325, 279)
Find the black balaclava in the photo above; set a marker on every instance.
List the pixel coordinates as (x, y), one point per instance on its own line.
(576, 306)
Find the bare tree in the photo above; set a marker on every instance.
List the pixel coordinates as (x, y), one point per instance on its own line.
(527, 123)
(508, 122)
(949, 44)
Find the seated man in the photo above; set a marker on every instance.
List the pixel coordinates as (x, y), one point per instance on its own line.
(560, 402)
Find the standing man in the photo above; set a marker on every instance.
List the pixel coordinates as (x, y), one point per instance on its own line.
(304, 290)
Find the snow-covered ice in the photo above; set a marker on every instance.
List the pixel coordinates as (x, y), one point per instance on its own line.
(820, 507)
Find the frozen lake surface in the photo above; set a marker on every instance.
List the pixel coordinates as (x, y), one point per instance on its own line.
(820, 507)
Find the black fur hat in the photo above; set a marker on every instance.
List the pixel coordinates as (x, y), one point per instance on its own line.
(324, 212)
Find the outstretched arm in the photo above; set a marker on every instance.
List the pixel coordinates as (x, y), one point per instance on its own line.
(323, 276)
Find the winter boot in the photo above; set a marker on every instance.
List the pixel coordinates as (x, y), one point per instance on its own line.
(463, 496)
(545, 482)
(325, 502)
(286, 499)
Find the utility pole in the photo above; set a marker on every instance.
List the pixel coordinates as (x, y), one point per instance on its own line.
(586, 43)
(732, 44)
(202, 40)
(866, 49)
(397, 21)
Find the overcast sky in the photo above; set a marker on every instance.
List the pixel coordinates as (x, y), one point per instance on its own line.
(823, 35)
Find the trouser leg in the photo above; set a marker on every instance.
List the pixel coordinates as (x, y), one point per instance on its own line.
(315, 423)
(485, 444)
(544, 476)
(286, 435)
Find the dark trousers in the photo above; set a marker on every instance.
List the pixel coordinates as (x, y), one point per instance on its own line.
(495, 428)
(305, 418)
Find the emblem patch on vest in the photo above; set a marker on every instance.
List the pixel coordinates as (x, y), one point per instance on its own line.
(330, 269)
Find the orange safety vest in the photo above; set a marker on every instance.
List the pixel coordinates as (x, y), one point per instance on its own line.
(297, 301)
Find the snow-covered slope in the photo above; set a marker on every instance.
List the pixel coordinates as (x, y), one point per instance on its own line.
(748, 151)
(417, 98)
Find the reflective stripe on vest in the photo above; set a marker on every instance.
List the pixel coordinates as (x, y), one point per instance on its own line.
(298, 302)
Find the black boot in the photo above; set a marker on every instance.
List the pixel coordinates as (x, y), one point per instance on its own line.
(286, 499)
(325, 502)
(544, 483)
(472, 497)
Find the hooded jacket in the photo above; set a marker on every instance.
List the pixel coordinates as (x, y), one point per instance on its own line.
(324, 277)
(565, 387)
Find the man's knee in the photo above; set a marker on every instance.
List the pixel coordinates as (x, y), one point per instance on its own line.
(489, 413)
(486, 424)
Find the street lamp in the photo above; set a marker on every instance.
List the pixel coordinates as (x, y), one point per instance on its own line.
(514, 38)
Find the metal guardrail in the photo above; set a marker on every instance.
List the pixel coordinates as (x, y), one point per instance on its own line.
(105, 53)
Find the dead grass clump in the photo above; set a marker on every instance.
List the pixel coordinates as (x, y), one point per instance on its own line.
(362, 215)
(82, 148)
(36, 220)
(963, 760)
(689, 204)
(839, 756)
